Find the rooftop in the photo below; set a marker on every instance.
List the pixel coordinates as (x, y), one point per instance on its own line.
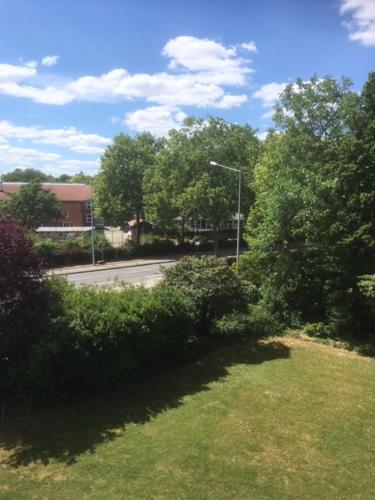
(63, 192)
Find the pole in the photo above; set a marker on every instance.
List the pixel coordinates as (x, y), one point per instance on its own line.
(215, 164)
(239, 218)
(92, 229)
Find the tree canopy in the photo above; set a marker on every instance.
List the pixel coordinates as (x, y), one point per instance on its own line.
(311, 231)
(183, 183)
(32, 205)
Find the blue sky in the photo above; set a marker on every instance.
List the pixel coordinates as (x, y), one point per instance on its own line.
(75, 73)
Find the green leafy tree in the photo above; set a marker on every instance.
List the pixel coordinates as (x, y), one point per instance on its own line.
(26, 175)
(311, 231)
(182, 182)
(32, 205)
(118, 186)
(80, 178)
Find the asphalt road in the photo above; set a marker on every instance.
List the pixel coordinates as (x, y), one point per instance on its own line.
(148, 275)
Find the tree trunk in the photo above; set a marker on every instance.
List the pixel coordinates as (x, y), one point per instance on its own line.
(182, 232)
(215, 235)
(138, 230)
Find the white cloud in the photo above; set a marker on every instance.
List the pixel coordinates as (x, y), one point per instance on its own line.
(262, 135)
(12, 157)
(10, 73)
(361, 25)
(268, 114)
(50, 60)
(45, 95)
(231, 101)
(31, 64)
(69, 137)
(200, 71)
(156, 119)
(75, 166)
(201, 54)
(269, 93)
(24, 157)
(250, 46)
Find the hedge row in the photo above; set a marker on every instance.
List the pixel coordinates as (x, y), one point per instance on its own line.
(72, 252)
(91, 338)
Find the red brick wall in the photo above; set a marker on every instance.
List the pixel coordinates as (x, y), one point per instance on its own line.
(75, 213)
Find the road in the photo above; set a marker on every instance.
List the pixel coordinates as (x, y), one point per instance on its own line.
(148, 275)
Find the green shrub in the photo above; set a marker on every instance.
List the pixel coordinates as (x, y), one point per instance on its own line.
(263, 321)
(319, 329)
(98, 338)
(212, 286)
(232, 325)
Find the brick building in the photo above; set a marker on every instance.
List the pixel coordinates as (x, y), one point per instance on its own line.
(74, 200)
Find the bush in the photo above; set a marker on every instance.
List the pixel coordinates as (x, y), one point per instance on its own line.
(20, 281)
(263, 322)
(211, 285)
(319, 330)
(99, 338)
(232, 325)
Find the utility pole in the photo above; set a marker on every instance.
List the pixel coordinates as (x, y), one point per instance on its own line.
(92, 227)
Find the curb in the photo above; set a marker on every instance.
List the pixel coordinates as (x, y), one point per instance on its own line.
(102, 268)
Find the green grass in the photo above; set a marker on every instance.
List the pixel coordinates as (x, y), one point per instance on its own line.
(279, 419)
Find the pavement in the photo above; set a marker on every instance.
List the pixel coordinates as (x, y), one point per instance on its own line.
(147, 275)
(146, 271)
(119, 264)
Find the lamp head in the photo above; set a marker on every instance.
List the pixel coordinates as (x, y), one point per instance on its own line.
(213, 163)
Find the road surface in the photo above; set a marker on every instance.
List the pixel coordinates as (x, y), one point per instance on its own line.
(147, 275)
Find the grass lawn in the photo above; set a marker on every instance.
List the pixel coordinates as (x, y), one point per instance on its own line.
(284, 418)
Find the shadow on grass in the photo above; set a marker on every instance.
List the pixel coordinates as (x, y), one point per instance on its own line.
(63, 435)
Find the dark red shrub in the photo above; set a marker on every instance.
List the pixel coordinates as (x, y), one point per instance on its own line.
(20, 281)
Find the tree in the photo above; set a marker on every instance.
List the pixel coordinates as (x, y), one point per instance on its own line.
(26, 175)
(80, 178)
(118, 186)
(182, 183)
(20, 279)
(311, 230)
(32, 205)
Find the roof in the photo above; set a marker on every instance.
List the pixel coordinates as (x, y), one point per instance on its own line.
(63, 192)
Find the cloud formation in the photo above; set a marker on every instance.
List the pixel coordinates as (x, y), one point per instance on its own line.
(269, 93)
(69, 137)
(361, 24)
(199, 72)
(156, 119)
(50, 60)
(12, 157)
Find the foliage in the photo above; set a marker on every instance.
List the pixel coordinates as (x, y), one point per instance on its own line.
(311, 231)
(232, 325)
(26, 175)
(212, 286)
(80, 178)
(118, 186)
(32, 205)
(33, 175)
(182, 182)
(105, 337)
(21, 303)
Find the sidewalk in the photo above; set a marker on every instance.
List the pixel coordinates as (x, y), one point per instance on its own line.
(87, 268)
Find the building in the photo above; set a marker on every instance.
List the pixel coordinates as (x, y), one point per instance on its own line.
(202, 225)
(74, 199)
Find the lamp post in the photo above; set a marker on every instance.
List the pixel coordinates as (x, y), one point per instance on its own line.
(92, 227)
(214, 164)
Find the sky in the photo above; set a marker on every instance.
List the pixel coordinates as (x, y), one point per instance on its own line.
(73, 74)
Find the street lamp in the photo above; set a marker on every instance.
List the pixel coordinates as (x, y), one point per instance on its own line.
(92, 227)
(214, 164)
